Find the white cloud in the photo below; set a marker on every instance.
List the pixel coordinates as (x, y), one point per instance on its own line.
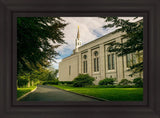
(56, 64)
(89, 28)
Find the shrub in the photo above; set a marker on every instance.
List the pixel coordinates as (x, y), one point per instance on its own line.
(110, 86)
(22, 81)
(138, 82)
(55, 82)
(107, 81)
(125, 86)
(83, 80)
(124, 82)
(66, 82)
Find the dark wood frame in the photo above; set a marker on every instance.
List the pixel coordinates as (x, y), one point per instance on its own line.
(10, 108)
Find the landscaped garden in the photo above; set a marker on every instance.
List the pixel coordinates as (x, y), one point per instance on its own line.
(125, 90)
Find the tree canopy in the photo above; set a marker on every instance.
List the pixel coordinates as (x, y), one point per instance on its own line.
(37, 38)
(133, 39)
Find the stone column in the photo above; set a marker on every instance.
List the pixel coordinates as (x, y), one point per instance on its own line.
(80, 63)
(102, 61)
(120, 66)
(89, 62)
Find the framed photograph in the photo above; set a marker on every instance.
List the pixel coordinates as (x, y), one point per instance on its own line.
(74, 59)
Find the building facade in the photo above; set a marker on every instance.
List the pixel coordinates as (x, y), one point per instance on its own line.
(94, 59)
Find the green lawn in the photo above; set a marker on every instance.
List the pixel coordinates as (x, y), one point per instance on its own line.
(22, 91)
(112, 94)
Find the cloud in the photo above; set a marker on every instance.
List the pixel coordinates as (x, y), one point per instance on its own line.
(90, 29)
(56, 64)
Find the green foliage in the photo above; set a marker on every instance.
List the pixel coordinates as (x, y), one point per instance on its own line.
(83, 80)
(22, 80)
(35, 38)
(110, 86)
(35, 49)
(107, 81)
(66, 82)
(22, 91)
(133, 39)
(55, 82)
(124, 82)
(52, 75)
(41, 74)
(138, 82)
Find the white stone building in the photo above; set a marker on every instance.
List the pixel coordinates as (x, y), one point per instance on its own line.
(94, 59)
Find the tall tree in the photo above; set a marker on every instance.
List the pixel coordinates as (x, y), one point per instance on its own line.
(133, 39)
(37, 38)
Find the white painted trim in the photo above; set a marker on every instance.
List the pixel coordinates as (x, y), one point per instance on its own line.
(18, 99)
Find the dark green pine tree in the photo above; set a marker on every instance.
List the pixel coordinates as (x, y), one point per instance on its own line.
(132, 40)
(35, 39)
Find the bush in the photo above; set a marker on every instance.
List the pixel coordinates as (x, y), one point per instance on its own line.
(110, 86)
(138, 82)
(55, 82)
(83, 80)
(107, 81)
(22, 81)
(125, 86)
(66, 82)
(124, 82)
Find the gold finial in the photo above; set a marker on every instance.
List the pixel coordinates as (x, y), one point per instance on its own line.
(78, 35)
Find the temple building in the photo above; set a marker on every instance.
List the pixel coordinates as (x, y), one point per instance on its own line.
(94, 59)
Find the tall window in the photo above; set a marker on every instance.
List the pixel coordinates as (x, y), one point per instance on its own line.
(111, 63)
(69, 70)
(96, 62)
(130, 59)
(85, 64)
(95, 65)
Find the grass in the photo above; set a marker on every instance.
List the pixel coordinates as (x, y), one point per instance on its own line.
(112, 94)
(22, 91)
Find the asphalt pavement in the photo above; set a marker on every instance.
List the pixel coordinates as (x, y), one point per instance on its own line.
(49, 93)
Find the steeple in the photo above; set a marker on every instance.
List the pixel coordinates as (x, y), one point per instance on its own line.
(78, 35)
(78, 43)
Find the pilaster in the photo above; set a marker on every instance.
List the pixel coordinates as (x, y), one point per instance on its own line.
(102, 61)
(89, 62)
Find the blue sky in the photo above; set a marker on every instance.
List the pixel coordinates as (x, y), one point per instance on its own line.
(90, 28)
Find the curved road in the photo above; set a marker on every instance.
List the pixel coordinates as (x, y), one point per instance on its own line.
(49, 93)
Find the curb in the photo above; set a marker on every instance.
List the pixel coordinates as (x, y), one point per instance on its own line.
(100, 99)
(18, 99)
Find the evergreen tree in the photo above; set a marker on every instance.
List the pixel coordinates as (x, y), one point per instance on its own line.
(35, 39)
(132, 40)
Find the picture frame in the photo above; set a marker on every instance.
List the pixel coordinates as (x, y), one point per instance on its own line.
(10, 10)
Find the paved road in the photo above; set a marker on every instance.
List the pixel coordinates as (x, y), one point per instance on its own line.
(49, 93)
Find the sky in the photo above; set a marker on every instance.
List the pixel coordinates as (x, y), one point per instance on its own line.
(90, 28)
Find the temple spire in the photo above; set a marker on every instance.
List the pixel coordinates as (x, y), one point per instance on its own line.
(78, 43)
(78, 35)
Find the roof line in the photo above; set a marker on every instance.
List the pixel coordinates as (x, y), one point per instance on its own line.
(99, 38)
